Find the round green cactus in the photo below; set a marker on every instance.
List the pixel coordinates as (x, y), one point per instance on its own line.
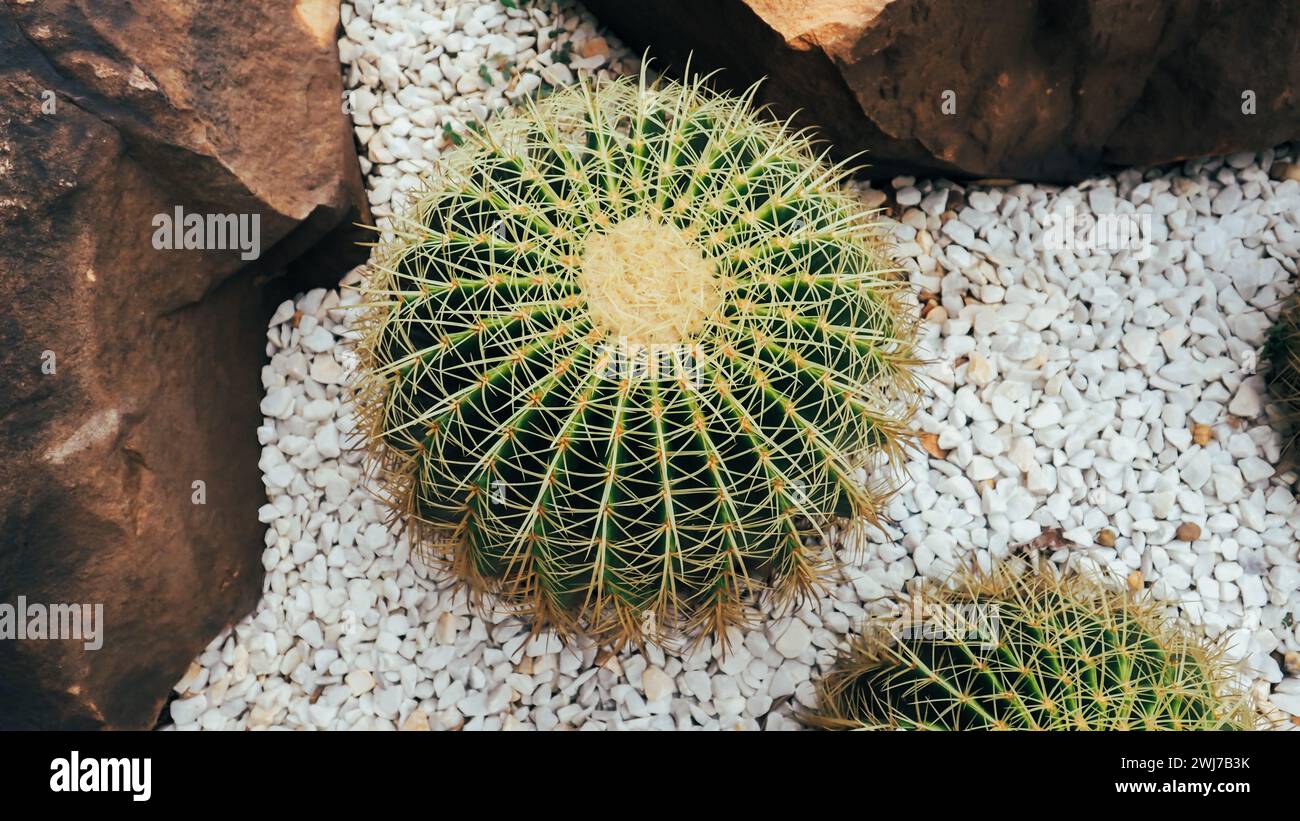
(629, 350)
(1019, 650)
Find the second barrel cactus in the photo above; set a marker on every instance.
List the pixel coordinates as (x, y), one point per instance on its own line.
(1016, 649)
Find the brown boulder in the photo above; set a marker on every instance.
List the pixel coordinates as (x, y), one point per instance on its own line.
(1044, 91)
(130, 373)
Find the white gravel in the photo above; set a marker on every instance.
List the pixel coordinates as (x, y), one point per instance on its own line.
(418, 72)
(1066, 387)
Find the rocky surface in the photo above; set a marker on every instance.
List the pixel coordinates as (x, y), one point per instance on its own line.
(1035, 91)
(126, 477)
(1093, 399)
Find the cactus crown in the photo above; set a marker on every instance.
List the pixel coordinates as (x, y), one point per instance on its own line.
(1020, 650)
(629, 349)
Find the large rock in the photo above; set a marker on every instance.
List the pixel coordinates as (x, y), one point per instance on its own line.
(129, 375)
(1036, 90)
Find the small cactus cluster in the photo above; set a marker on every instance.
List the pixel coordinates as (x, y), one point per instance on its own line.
(627, 356)
(1281, 357)
(1017, 649)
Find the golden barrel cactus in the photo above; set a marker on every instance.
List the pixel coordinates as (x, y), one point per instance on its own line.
(628, 353)
(1016, 649)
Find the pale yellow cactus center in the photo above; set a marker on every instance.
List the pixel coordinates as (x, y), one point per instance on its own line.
(647, 282)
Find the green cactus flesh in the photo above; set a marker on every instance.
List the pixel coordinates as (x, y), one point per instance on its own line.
(1043, 654)
(629, 350)
(1282, 360)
